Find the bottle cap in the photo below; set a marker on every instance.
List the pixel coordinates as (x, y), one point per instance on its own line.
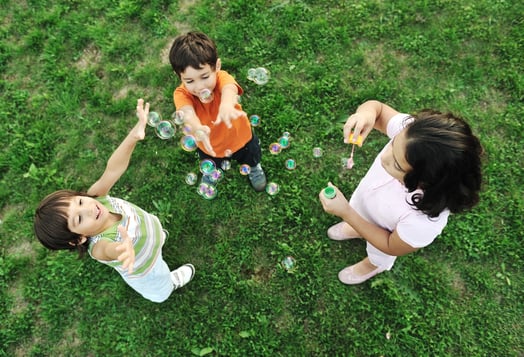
(329, 192)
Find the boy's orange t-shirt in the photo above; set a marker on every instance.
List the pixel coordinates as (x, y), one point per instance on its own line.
(222, 138)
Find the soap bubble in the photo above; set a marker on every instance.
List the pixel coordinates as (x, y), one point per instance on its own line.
(153, 118)
(291, 164)
(165, 130)
(191, 178)
(284, 142)
(317, 152)
(178, 117)
(186, 129)
(188, 143)
(225, 165)
(275, 148)
(289, 263)
(258, 75)
(228, 153)
(207, 191)
(251, 73)
(206, 96)
(272, 188)
(215, 175)
(255, 120)
(207, 167)
(245, 169)
(347, 162)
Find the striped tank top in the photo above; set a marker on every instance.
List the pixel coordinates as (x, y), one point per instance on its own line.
(144, 230)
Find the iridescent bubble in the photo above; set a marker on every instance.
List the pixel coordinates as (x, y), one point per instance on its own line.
(215, 175)
(165, 130)
(153, 118)
(188, 143)
(291, 164)
(347, 162)
(275, 148)
(245, 169)
(225, 165)
(284, 142)
(289, 263)
(178, 117)
(228, 153)
(205, 96)
(255, 120)
(261, 76)
(207, 191)
(272, 188)
(207, 167)
(317, 152)
(251, 73)
(191, 178)
(286, 134)
(186, 129)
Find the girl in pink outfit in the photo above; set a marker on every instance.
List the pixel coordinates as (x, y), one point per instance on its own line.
(430, 168)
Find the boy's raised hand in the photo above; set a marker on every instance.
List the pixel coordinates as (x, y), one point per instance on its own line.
(127, 255)
(227, 113)
(142, 112)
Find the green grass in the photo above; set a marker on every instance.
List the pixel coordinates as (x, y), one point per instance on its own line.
(71, 72)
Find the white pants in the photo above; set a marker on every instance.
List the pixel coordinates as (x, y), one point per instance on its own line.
(379, 258)
(156, 285)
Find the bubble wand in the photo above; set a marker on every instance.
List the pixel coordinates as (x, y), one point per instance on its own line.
(349, 163)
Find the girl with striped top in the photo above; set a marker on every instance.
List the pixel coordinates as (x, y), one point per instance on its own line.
(113, 231)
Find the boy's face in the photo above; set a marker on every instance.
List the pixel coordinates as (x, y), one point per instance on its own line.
(86, 216)
(195, 80)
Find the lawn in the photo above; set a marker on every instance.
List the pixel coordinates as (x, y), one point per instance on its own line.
(71, 72)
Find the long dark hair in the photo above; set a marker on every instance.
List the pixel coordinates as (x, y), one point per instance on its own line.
(50, 224)
(445, 158)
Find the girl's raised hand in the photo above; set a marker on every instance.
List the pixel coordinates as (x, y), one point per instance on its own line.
(142, 112)
(127, 255)
(360, 125)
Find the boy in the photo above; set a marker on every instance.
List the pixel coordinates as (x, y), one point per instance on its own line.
(208, 96)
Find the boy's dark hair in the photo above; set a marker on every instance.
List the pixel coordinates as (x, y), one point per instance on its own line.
(445, 158)
(51, 226)
(193, 49)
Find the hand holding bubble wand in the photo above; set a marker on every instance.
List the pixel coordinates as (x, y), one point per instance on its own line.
(356, 129)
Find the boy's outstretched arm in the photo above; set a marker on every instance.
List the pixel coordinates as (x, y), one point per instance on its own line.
(119, 160)
(227, 110)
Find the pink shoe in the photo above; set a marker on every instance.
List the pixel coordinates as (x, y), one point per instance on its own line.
(348, 275)
(338, 231)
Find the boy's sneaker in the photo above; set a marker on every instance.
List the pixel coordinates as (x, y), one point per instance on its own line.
(257, 177)
(182, 275)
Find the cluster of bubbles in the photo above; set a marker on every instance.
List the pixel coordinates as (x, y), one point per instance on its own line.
(258, 75)
(283, 143)
(166, 129)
